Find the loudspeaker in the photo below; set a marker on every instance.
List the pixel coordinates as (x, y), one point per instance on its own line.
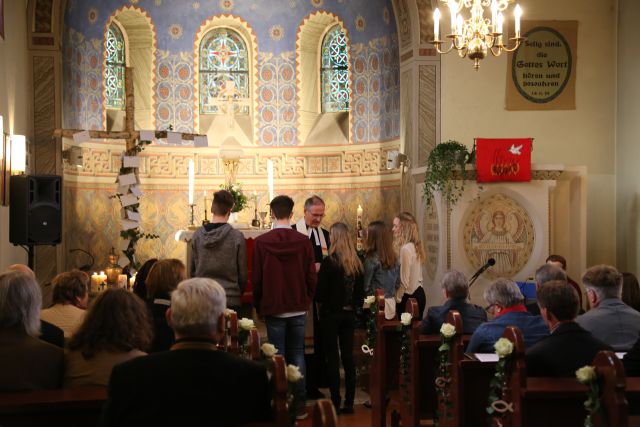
(35, 210)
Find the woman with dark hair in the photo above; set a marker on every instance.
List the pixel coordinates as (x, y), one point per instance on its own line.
(70, 300)
(406, 239)
(163, 278)
(339, 292)
(140, 284)
(116, 328)
(381, 270)
(631, 291)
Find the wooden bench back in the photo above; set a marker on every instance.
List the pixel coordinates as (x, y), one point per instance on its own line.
(324, 414)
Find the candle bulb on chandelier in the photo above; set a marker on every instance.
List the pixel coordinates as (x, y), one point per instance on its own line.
(494, 14)
(459, 26)
(500, 22)
(517, 13)
(453, 19)
(436, 24)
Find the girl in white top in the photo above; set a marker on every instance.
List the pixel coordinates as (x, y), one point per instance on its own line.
(411, 255)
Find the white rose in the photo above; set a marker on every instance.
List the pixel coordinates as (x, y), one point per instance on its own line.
(586, 374)
(369, 300)
(228, 312)
(405, 319)
(246, 324)
(293, 374)
(503, 347)
(269, 350)
(448, 330)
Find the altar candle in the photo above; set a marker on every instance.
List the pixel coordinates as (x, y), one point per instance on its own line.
(95, 282)
(270, 178)
(191, 181)
(132, 281)
(102, 278)
(122, 280)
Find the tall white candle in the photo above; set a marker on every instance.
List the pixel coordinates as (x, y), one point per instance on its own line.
(270, 178)
(191, 181)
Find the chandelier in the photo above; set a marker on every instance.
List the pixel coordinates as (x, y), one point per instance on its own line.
(476, 36)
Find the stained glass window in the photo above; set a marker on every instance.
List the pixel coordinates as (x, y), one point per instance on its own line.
(223, 58)
(114, 71)
(335, 71)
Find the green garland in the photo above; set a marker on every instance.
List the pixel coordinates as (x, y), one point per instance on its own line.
(405, 359)
(497, 405)
(443, 381)
(443, 160)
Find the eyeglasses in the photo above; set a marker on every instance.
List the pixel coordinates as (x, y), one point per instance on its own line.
(489, 307)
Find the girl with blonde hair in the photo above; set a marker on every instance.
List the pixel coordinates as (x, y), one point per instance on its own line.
(381, 270)
(339, 291)
(406, 240)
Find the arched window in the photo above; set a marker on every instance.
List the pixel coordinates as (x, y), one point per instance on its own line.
(114, 71)
(334, 71)
(223, 58)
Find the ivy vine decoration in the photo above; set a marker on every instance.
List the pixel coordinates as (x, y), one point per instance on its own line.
(443, 160)
(405, 354)
(587, 376)
(293, 394)
(369, 303)
(443, 381)
(497, 405)
(132, 235)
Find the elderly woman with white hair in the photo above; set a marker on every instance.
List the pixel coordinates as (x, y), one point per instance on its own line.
(27, 362)
(506, 304)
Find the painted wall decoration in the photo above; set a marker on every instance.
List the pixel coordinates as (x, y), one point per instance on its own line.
(370, 24)
(498, 227)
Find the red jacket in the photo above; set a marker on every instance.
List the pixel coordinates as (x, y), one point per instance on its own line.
(284, 274)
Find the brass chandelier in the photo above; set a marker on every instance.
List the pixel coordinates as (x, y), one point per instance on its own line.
(476, 36)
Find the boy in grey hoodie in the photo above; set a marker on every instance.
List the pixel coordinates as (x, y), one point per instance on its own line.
(219, 251)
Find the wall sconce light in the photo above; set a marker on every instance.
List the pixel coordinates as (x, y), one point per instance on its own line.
(18, 154)
(73, 156)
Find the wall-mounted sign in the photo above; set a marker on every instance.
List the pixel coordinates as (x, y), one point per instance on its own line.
(541, 73)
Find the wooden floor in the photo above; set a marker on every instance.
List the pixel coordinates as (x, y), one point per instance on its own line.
(361, 418)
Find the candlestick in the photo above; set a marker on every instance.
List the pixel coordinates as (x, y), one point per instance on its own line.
(359, 229)
(191, 181)
(205, 220)
(192, 225)
(270, 178)
(255, 222)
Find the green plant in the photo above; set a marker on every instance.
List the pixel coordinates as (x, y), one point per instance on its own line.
(443, 160)
(240, 201)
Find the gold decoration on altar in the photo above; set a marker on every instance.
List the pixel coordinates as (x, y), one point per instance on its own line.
(499, 227)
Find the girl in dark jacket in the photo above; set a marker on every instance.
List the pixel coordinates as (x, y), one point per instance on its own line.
(339, 291)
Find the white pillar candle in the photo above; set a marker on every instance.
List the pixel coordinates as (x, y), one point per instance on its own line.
(191, 181)
(270, 178)
(122, 280)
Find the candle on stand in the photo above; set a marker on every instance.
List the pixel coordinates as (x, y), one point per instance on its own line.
(359, 229)
(270, 178)
(191, 181)
(122, 281)
(132, 281)
(95, 282)
(205, 206)
(436, 24)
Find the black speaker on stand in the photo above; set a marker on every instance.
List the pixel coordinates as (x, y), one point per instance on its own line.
(35, 211)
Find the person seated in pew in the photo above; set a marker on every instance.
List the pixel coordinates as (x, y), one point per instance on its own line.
(192, 384)
(48, 331)
(506, 304)
(560, 262)
(569, 347)
(116, 328)
(456, 290)
(70, 301)
(27, 363)
(545, 273)
(609, 319)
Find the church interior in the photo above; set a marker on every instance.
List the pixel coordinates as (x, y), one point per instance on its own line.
(343, 99)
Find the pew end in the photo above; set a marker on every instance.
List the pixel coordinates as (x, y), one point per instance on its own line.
(324, 414)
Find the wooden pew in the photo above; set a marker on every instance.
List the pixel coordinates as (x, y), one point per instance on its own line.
(385, 389)
(228, 328)
(324, 414)
(559, 402)
(254, 345)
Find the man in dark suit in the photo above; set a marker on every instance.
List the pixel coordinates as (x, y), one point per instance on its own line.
(569, 347)
(545, 273)
(193, 383)
(456, 290)
(309, 225)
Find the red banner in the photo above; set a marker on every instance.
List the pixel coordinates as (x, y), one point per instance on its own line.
(503, 159)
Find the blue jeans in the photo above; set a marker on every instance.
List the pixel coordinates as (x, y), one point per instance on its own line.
(287, 335)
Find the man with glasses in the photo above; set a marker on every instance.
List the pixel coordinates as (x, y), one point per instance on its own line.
(309, 225)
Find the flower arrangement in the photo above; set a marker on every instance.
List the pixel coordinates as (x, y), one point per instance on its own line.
(497, 406)
(244, 327)
(371, 325)
(293, 376)
(443, 381)
(405, 350)
(240, 201)
(587, 376)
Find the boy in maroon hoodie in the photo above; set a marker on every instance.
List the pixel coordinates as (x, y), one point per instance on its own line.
(284, 283)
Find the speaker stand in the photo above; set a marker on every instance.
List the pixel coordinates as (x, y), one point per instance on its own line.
(29, 249)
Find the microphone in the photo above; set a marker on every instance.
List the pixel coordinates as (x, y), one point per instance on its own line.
(490, 263)
(85, 267)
